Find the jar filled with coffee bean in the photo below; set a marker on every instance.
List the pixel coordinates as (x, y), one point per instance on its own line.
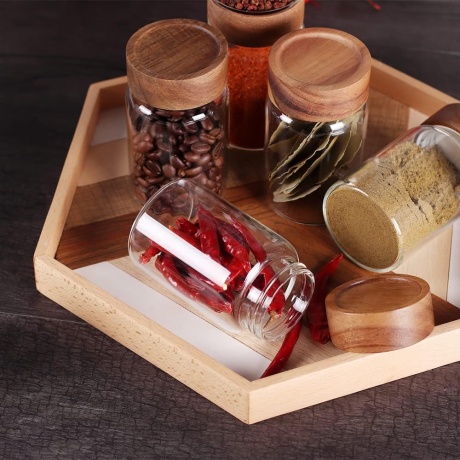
(318, 82)
(176, 105)
(251, 28)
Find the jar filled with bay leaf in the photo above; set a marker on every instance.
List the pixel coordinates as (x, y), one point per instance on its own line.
(318, 85)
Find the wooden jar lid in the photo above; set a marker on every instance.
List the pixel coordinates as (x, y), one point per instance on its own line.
(448, 116)
(380, 313)
(177, 64)
(255, 29)
(319, 74)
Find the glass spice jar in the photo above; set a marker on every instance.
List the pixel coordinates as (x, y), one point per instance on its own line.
(176, 104)
(402, 197)
(212, 255)
(318, 85)
(251, 28)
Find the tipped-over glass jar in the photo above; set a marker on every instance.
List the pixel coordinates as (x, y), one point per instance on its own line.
(318, 84)
(251, 28)
(209, 253)
(400, 198)
(176, 104)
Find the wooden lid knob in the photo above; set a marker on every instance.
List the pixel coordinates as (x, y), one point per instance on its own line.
(255, 29)
(380, 313)
(177, 64)
(448, 116)
(319, 74)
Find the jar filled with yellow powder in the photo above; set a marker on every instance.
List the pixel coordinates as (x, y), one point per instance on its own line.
(400, 198)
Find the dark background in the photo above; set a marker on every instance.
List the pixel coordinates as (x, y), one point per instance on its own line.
(67, 390)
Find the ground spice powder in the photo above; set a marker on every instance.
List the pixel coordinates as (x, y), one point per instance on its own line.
(393, 203)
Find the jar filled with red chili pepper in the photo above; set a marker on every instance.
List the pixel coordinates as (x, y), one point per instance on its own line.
(250, 29)
(176, 104)
(208, 253)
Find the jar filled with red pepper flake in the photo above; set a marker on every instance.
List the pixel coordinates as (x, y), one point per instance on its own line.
(176, 104)
(207, 253)
(251, 27)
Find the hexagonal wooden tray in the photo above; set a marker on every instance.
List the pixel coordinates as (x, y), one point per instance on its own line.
(93, 209)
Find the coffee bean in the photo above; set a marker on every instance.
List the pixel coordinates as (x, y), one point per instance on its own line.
(207, 138)
(207, 124)
(154, 167)
(189, 140)
(192, 157)
(200, 147)
(169, 171)
(204, 159)
(193, 172)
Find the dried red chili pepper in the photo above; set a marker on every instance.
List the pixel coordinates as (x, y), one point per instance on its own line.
(315, 315)
(178, 276)
(317, 302)
(284, 352)
(186, 236)
(208, 234)
(150, 252)
(234, 247)
(193, 229)
(277, 304)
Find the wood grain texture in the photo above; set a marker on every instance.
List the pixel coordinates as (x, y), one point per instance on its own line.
(181, 57)
(319, 74)
(68, 390)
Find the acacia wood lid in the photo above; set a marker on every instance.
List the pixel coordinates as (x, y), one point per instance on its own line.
(177, 64)
(381, 313)
(448, 116)
(319, 74)
(255, 29)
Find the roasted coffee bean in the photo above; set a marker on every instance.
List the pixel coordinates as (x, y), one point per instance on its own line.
(177, 162)
(155, 180)
(143, 182)
(200, 147)
(164, 146)
(193, 172)
(153, 166)
(207, 124)
(190, 126)
(204, 159)
(169, 171)
(192, 156)
(155, 155)
(207, 138)
(189, 140)
(217, 133)
(219, 161)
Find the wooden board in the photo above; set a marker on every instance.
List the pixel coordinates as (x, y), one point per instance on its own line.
(90, 218)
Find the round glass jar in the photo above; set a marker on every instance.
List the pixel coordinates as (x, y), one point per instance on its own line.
(318, 85)
(176, 104)
(210, 254)
(400, 198)
(250, 32)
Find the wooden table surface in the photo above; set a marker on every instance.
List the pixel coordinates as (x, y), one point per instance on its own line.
(69, 391)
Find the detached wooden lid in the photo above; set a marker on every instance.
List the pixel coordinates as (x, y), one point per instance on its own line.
(255, 29)
(448, 116)
(380, 313)
(177, 64)
(319, 74)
